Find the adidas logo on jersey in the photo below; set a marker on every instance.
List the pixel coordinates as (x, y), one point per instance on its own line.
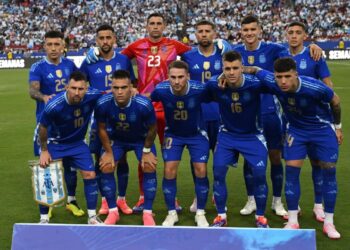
(195, 66)
(50, 76)
(260, 164)
(203, 158)
(98, 71)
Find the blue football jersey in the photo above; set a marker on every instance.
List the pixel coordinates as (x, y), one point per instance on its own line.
(306, 66)
(307, 108)
(202, 68)
(129, 124)
(99, 74)
(53, 78)
(239, 107)
(263, 57)
(68, 123)
(182, 113)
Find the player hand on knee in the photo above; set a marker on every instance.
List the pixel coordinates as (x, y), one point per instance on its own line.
(92, 55)
(45, 159)
(149, 162)
(107, 164)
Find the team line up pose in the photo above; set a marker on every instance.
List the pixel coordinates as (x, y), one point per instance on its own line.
(126, 122)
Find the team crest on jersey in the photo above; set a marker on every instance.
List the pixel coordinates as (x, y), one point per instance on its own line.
(235, 96)
(180, 104)
(303, 64)
(59, 73)
(122, 117)
(291, 101)
(206, 65)
(251, 59)
(154, 50)
(77, 112)
(108, 68)
(217, 65)
(262, 58)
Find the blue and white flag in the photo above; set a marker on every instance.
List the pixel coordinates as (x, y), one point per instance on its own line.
(48, 183)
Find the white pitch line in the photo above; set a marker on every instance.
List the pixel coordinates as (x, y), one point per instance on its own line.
(339, 63)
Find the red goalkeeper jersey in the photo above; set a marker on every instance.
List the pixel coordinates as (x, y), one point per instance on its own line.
(153, 59)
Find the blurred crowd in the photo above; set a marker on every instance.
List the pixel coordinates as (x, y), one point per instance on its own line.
(24, 23)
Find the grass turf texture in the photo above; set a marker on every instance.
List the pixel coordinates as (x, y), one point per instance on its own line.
(17, 205)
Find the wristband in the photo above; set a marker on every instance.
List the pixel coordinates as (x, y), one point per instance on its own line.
(337, 126)
(146, 150)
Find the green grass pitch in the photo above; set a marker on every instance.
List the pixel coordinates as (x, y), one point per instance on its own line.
(17, 205)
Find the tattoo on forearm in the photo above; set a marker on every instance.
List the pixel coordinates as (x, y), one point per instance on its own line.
(34, 91)
(43, 137)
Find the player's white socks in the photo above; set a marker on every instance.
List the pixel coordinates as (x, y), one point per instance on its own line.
(318, 206)
(293, 216)
(44, 217)
(113, 209)
(91, 212)
(200, 211)
(223, 216)
(328, 218)
(121, 198)
(251, 197)
(276, 199)
(147, 211)
(141, 197)
(71, 198)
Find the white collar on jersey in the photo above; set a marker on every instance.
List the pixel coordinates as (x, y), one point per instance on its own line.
(127, 106)
(66, 98)
(245, 47)
(114, 55)
(301, 52)
(214, 52)
(188, 88)
(299, 87)
(47, 60)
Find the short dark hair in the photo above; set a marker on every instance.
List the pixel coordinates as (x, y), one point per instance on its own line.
(297, 23)
(232, 56)
(250, 19)
(104, 27)
(284, 64)
(205, 22)
(78, 76)
(121, 74)
(178, 65)
(54, 34)
(155, 15)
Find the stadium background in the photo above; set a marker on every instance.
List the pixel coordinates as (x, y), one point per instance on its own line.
(20, 44)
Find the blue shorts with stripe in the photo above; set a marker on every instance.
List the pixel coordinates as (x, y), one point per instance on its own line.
(319, 144)
(120, 148)
(251, 146)
(77, 154)
(198, 147)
